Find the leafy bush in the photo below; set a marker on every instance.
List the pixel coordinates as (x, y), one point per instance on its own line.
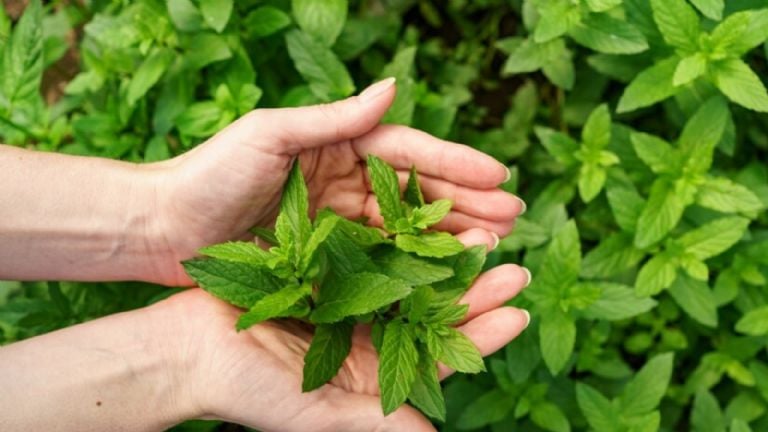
(634, 128)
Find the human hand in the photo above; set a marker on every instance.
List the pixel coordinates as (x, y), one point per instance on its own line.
(234, 181)
(254, 377)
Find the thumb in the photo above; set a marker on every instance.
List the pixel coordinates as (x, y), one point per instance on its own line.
(297, 129)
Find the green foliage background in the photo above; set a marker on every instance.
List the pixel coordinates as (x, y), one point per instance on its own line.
(635, 129)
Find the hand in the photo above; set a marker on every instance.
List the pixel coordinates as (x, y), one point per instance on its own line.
(234, 181)
(254, 377)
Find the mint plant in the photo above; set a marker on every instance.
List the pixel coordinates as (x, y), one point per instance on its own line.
(336, 273)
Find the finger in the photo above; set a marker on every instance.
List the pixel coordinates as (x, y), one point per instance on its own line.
(494, 288)
(344, 411)
(479, 236)
(404, 147)
(492, 330)
(317, 125)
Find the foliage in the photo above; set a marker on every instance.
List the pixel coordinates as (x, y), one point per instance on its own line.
(636, 129)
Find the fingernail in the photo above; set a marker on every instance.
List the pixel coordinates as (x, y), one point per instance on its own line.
(523, 206)
(376, 89)
(496, 240)
(508, 176)
(527, 318)
(530, 276)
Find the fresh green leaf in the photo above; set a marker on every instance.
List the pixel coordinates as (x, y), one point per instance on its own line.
(656, 275)
(549, 417)
(426, 394)
(754, 322)
(618, 302)
(714, 238)
(598, 410)
(459, 353)
(216, 13)
(650, 86)
(327, 352)
(265, 21)
(661, 214)
(689, 69)
(323, 20)
(386, 186)
(606, 34)
(271, 306)
(413, 194)
(726, 196)
(696, 299)
(398, 362)
(243, 252)
(356, 295)
(433, 244)
(23, 57)
(707, 414)
(645, 390)
(740, 84)
(239, 284)
(557, 336)
(148, 74)
(413, 270)
(430, 214)
(318, 236)
(678, 23)
(326, 75)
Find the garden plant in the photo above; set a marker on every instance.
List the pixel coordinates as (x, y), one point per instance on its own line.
(636, 130)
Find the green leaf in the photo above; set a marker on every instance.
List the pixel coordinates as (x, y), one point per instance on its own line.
(23, 57)
(401, 67)
(203, 49)
(323, 20)
(707, 416)
(326, 75)
(555, 19)
(591, 181)
(562, 265)
(656, 275)
(644, 391)
(265, 234)
(426, 394)
(433, 244)
(549, 417)
(596, 134)
(265, 21)
(689, 68)
(597, 409)
(489, 408)
(356, 295)
(413, 270)
(740, 32)
(678, 23)
(626, 203)
(712, 9)
(318, 236)
(386, 187)
(329, 348)
(613, 255)
(559, 145)
(702, 133)
(272, 306)
(293, 227)
(606, 34)
(740, 84)
(557, 337)
(459, 353)
(715, 237)
(739, 425)
(184, 15)
(149, 73)
(216, 13)
(418, 303)
(696, 299)
(649, 86)
(726, 196)
(430, 214)
(413, 194)
(661, 214)
(602, 5)
(754, 322)
(236, 283)
(397, 366)
(466, 266)
(243, 252)
(618, 302)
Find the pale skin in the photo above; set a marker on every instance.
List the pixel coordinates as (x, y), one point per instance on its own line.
(91, 219)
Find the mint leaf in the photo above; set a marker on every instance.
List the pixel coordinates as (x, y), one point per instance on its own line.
(714, 238)
(446, 315)
(712, 9)
(149, 73)
(740, 84)
(318, 236)
(239, 284)
(413, 194)
(413, 270)
(459, 353)
(702, 133)
(725, 196)
(656, 275)
(322, 20)
(655, 152)
(265, 234)
(426, 394)
(557, 336)
(430, 214)
(416, 305)
(707, 414)
(265, 21)
(466, 266)
(689, 68)
(678, 23)
(602, 5)
(489, 408)
(740, 32)
(563, 260)
(397, 366)
(626, 203)
(754, 322)
(606, 34)
(646, 389)
(549, 417)
(596, 134)
(23, 57)
(613, 255)
(618, 302)
(355, 295)
(216, 13)
(386, 186)
(696, 299)
(591, 181)
(272, 306)
(434, 244)
(597, 409)
(293, 227)
(650, 86)
(326, 75)
(344, 254)
(329, 348)
(243, 252)
(661, 214)
(559, 145)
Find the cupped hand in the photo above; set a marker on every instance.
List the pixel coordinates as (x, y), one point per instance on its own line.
(219, 190)
(254, 377)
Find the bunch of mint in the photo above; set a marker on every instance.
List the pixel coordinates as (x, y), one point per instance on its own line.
(334, 273)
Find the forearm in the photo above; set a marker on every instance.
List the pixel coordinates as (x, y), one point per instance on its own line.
(73, 218)
(109, 374)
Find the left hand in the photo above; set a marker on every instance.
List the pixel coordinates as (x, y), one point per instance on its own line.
(234, 181)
